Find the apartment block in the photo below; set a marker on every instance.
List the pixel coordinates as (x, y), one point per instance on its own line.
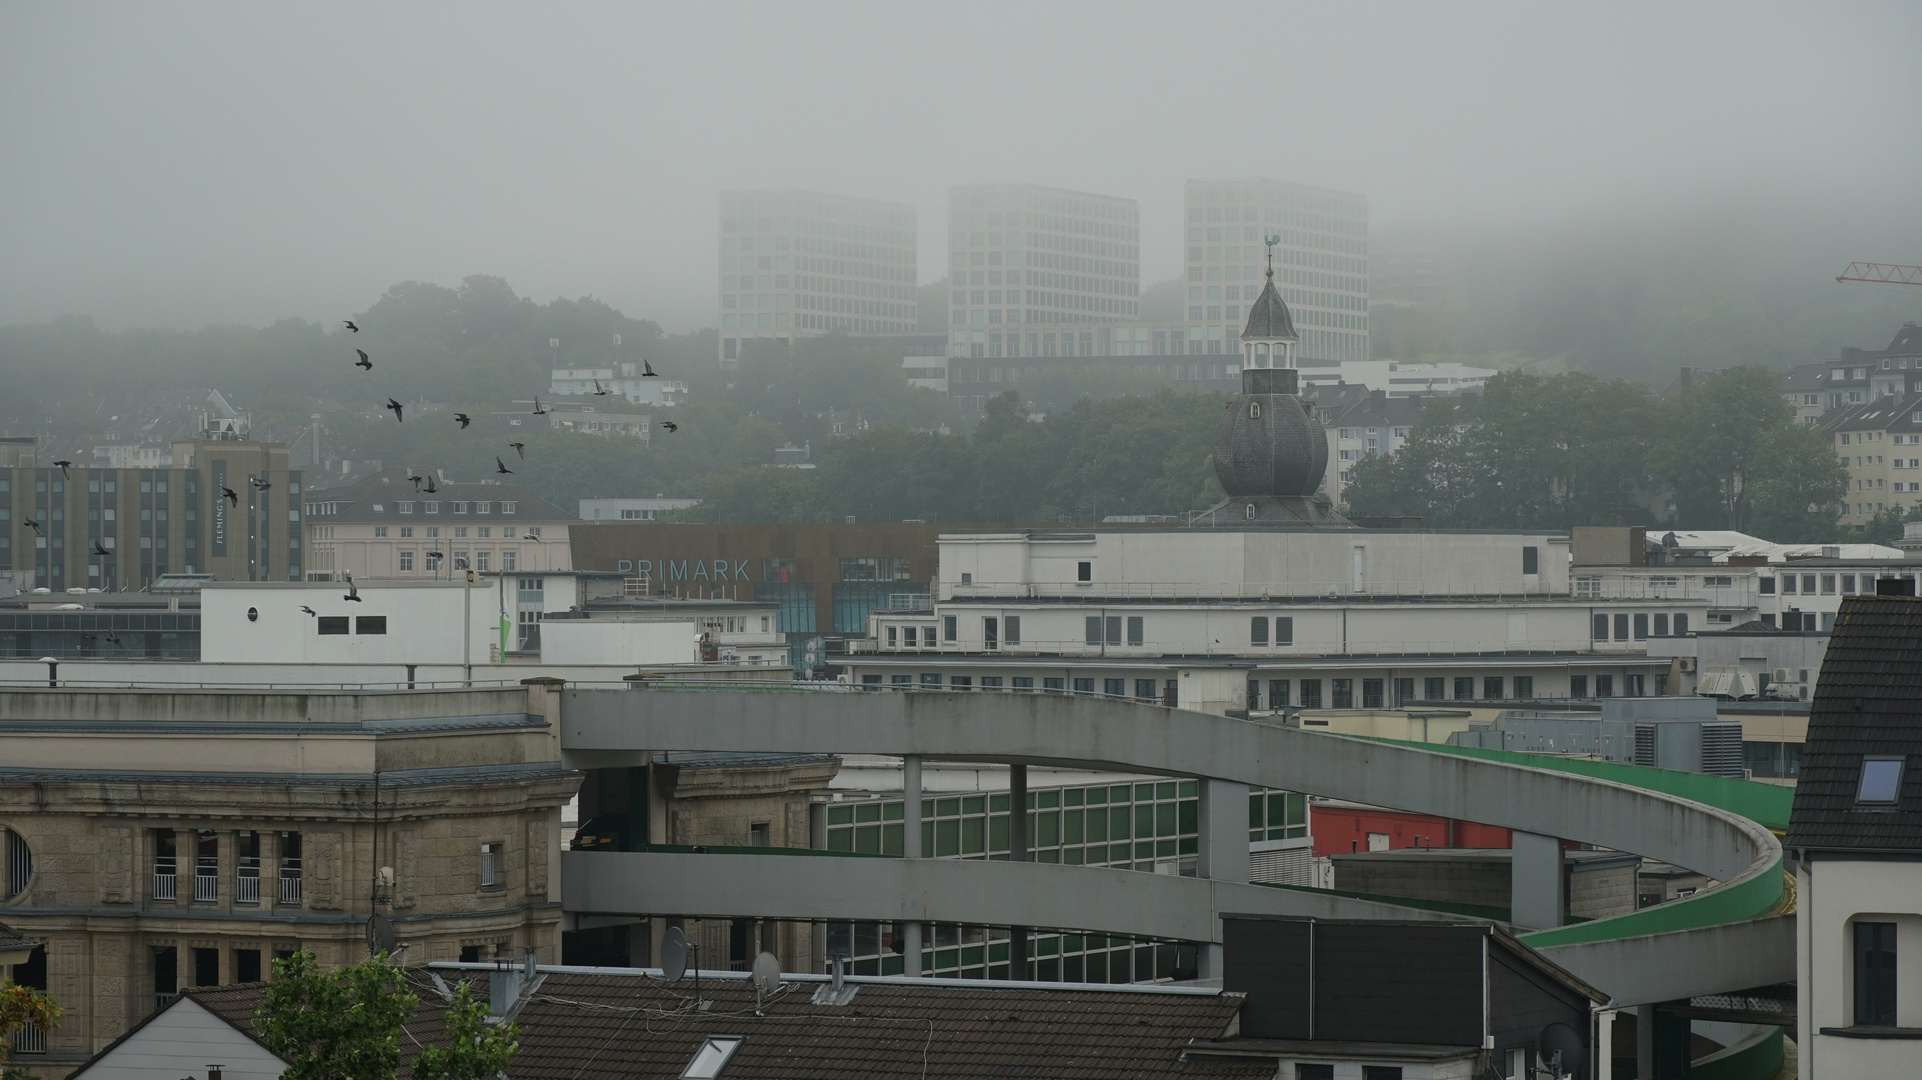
(1035, 271)
(798, 264)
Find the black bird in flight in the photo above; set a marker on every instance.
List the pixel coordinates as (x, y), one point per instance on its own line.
(599, 391)
(113, 638)
(64, 466)
(231, 496)
(353, 590)
(395, 405)
(464, 420)
(670, 426)
(100, 549)
(538, 411)
(647, 370)
(31, 524)
(520, 448)
(416, 480)
(501, 466)
(259, 483)
(349, 324)
(363, 363)
(534, 538)
(309, 610)
(431, 489)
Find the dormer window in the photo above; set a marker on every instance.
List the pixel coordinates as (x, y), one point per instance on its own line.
(1254, 410)
(1880, 783)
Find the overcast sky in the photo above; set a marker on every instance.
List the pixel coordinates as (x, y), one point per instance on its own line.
(176, 164)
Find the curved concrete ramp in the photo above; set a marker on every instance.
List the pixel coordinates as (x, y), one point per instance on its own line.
(605, 727)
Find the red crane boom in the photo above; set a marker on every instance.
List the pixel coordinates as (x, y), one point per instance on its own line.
(1889, 273)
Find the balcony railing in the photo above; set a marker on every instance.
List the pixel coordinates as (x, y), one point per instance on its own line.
(247, 889)
(163, 885)
(29, 1039)
(206, 888)
(290, 887)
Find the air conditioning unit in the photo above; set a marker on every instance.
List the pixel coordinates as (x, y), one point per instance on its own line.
(1687, 663)
(1783, 674)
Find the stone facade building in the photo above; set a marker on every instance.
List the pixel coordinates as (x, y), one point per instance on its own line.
(169, 839)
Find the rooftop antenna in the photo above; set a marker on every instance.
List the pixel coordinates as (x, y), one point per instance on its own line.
(676, 949)
(1271, 241)
(767, 979)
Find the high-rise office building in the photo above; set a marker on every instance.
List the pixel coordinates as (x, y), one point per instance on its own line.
(1321, 263)
(1034, 270)
(797, 264)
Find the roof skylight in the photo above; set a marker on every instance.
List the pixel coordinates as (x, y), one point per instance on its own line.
(1881, 781)
(712, 1057)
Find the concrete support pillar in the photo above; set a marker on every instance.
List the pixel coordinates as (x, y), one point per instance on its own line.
(1536, 885)
(911, 848)
(1222, 817)
(1018, 852)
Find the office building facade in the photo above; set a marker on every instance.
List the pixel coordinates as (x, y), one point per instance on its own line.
(57, 522)
(1321, 263)
(798, 264)
(1034, 271)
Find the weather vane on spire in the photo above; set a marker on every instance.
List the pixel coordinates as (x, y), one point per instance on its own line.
(1271, 241)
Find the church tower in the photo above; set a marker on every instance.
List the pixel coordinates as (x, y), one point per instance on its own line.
(1270, 452)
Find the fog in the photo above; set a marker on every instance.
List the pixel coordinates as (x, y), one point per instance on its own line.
(176, 165)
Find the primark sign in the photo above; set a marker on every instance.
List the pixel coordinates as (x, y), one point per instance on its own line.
(684, 569)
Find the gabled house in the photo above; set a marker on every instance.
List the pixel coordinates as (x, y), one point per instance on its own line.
(1855, 838)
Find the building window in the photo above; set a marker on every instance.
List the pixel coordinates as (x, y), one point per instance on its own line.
(1011, 629)
(1084, 571)
(370, 624)
(1767, 585)
(1681, 625)
(1874, 974)
(1621, 628)
(1600, 632)
(1661, 626)
(1277, 693)
(1371, 694)
(489, 866)
(510, 561)
(1084, 686)
(1135, 636)
(948, 630)
(1641, 627)
(380, 530)
(1578, 686)
(1258, 630)
(1880, 782)
(332, 624)
(1492, 687)
(406, 561)
(1604, 686)
(1524, 687)
(1114, 687)
(1464, 687)
(1531, 560)
(483, 561)
(1306, 1071)
(1434, 689)
(1311, 693)
(1342, 693)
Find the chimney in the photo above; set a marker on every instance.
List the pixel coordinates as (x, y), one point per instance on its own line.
(213, 1071)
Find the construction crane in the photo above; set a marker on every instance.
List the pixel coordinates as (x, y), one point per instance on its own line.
(1887, 273)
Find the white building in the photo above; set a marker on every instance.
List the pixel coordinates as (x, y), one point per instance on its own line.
(1033, 270)
(926, 372)
(798, 264)
(1855, 840)
(626, 381)
(1269, 619)
(1321, 262)
(1399, 378)
(386, 526)
(632, 509)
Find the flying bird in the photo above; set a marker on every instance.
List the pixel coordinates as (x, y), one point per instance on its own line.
(353, 590)
(259, 483)
(416, 480)
(309, 610)
(363, 363)
(464, 420)
(113, 638)
(599, 391)
(520, 448)
(647, 370)
(534, 538)
(670, 426)
(100, 550)
(538, 411)
(501, 466)
(31, 524)
(64, 466)
(431, 489)
(395, 405)
(231, 496)
(349, 324)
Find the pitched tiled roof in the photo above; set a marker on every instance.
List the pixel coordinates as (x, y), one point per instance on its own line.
(357, 503)
(1268, 319)
(1865, 705)
(581, 1026)
(236, 1002)
(13, 939)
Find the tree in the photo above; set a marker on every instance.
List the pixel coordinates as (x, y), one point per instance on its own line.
(1732, 456)
(23, 1005)
(338, 1025)
(475, 1050)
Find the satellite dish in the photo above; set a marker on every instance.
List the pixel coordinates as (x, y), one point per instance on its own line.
(767, 973)
(1561, 1048)
(380, 934)
(673, 954)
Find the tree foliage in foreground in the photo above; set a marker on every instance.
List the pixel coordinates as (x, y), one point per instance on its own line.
(342, 1024)
(24, 1005)
(1573, 450)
